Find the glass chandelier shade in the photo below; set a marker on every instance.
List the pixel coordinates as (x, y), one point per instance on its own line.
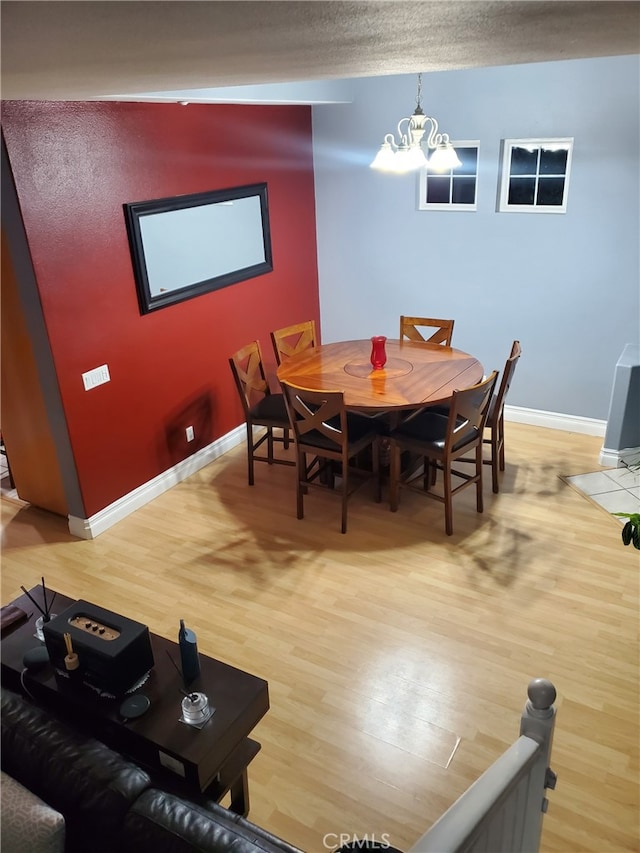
(407, 155)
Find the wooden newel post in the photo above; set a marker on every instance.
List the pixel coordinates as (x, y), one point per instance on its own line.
(538, 722)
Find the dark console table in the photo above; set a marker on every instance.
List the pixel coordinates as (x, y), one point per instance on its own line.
(211, 761)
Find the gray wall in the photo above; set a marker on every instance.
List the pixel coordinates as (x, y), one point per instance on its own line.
(565, 285)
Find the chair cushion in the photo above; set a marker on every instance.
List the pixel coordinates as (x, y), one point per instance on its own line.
(28, 823)
(430, 428)
(270, 408)
(359, 428)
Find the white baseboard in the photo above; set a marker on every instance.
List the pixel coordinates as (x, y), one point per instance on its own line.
(89, 528)
(555, 420)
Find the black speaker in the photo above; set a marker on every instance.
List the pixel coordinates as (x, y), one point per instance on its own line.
(114, 652)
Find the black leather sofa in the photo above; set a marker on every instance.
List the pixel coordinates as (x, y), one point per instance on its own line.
(109, 804)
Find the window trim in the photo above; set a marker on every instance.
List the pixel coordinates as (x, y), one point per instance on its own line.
(507, 147)
(451, 206)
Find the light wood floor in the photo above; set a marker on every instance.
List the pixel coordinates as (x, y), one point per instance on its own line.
(384, 646)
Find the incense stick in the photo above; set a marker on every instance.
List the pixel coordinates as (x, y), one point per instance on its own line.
(32, 599)
(184, 692)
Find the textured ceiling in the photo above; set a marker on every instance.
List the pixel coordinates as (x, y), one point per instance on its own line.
(80, 50)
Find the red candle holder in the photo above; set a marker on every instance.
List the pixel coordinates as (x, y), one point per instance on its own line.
(378, 352)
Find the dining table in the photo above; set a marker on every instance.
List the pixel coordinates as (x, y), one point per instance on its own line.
(415, 373)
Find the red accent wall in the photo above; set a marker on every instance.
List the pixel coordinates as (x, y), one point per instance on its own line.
(75, 165)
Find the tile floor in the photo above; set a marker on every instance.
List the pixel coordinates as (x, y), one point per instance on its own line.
(614, 489)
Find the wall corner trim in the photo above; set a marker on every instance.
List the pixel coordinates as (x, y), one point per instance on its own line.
(611, 458)
(89, 528)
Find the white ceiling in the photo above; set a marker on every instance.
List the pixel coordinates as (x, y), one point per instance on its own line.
(92, 49)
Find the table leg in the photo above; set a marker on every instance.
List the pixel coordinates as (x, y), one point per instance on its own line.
(240, 794)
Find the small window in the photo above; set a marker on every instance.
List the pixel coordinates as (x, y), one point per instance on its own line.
(535, 175)
(454, 189)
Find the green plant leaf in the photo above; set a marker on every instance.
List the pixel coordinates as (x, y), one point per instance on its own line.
(634, 517)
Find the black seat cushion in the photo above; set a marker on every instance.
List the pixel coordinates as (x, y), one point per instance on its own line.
(358, 429)
(430, 428)
(270, 408)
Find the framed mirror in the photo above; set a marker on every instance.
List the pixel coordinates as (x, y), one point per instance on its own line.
(188, 245)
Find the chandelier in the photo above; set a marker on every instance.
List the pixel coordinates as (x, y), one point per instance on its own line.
(407, 154)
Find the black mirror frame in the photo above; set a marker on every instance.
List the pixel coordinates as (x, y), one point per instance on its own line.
(135, 210)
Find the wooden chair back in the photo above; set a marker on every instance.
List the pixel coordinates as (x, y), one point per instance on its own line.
(318, 419)
(442, 334)
(248, 371)
(468, 415)
(331, 437)
(291, 340)
(497, 408)
(261, 408)
(436, 440)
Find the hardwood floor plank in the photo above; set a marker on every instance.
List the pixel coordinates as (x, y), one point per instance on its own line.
(385, 645)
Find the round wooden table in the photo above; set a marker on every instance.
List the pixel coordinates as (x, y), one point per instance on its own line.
(415, 373)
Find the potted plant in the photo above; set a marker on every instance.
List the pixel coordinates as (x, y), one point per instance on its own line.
(631, 530)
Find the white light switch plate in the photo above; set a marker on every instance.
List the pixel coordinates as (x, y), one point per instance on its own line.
(97, 376)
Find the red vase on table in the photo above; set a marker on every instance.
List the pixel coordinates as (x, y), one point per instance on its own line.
(378, 352)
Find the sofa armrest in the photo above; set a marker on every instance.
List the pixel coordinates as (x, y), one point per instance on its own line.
(90, 784)
(28, 823)
(159, 822)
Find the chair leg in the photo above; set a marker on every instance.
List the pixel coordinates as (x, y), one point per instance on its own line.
(12, 483)
(377, 475)
(448, 497)
(345, 495)
(495, 450)
(430, 473)
(479, 498)
(285, 438)
(270, 445)
(501, 441)
(394, 476)
(250, 452)
(426, 473)
(301, 467)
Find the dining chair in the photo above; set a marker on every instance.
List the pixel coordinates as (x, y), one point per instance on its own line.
(435, 440)
(262, 408)
(327, 439)
(494, 427)
(442, 334)
(3, 452)
(291, 340)
(495, 418)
